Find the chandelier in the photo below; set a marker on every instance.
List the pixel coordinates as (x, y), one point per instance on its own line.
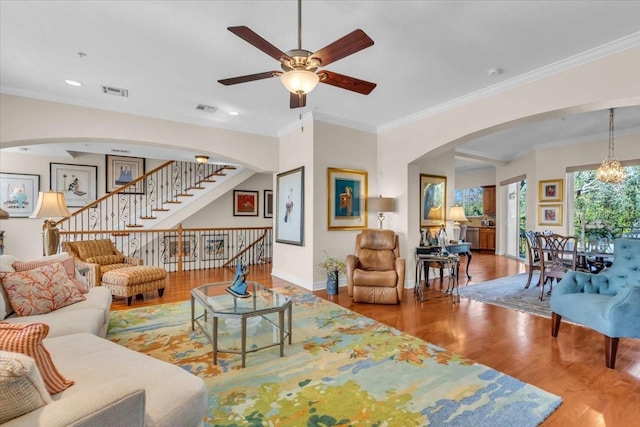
(611, 171)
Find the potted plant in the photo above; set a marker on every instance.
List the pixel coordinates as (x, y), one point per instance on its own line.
(332, 267)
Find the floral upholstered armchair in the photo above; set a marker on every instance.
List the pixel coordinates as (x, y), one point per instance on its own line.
(97, 257)
(608, 302)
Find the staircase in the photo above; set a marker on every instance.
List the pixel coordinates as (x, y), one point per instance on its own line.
(161, 198)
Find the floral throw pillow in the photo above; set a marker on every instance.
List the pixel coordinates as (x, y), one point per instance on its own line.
(40, 290)
(67, 262)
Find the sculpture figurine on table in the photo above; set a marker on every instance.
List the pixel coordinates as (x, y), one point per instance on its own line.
(238, 287)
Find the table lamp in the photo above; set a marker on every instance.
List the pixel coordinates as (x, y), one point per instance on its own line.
(456, 214)
(381, 205)
(50, 205)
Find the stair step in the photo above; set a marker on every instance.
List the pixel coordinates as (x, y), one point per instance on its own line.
(218, 174)
(160, 210)
(148, 217)
(175, 202)
(196, 188)
(208, 180)
(185, 195)
(120, 234)
(134, 225)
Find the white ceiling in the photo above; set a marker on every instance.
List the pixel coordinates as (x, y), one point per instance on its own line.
(170, 54)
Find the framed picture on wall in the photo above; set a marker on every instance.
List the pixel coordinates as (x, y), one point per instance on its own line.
(79, 183)
(215, 247)
(550, 191)
(347, 193)
(267, 210)
(433, 200)
(19, 193)
(172, 248)
(245, 203)
(123, 170)
(550, 215)
(290, 207)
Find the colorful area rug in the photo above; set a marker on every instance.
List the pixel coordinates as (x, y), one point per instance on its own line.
(342, 369)
(509, 292)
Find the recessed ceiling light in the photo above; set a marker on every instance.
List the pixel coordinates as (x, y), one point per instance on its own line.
(494, 71)
(233, 113)
(73, 82)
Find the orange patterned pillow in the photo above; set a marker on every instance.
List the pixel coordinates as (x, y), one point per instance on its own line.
(27, 339)
(69, 266)
(40, 290)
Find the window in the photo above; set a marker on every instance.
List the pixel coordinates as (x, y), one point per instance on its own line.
(471, 200)
(617, 206)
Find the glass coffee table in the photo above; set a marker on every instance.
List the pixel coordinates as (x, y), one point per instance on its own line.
(258, 319)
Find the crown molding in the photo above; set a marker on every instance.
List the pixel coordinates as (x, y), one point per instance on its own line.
(611, 48)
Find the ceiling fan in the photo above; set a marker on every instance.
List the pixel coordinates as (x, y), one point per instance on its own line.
(300, 73)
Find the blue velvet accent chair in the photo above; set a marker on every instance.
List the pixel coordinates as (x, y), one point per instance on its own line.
(608, 302)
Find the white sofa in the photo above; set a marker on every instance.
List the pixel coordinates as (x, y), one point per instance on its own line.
(113, 386)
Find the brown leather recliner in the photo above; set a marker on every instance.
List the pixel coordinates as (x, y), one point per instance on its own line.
(375, 274)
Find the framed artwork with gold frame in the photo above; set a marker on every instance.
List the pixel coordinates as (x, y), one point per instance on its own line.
(550, 215)
(347, 199)
(433, 200)
(550, 190)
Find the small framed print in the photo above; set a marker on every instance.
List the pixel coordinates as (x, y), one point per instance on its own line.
(245, 203)
(77, 182)
(347, 206)
(290, 207)
(215, 247)
(267, 210)
(172, 248)
(121, 171)
(550, 215)
(19, 194)
(550, 191)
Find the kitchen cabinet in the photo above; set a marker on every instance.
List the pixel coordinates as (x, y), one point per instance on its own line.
(487, 239)
(489, 200)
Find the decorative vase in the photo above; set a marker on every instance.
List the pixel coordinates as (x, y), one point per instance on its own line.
(332, 282)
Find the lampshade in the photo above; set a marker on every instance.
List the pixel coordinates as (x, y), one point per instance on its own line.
(201, 158)
(456, 214)
(50, 204)
(299, 81)
(381, 204)
(4, 214)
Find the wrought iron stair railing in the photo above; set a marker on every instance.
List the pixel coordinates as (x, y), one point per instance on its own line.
(144, 198)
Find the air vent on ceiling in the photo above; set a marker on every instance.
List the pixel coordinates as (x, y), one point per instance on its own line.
(110, 90)
(119, 150)
(206, 108)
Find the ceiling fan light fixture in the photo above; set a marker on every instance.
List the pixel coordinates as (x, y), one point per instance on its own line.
(201, 158)
(299, 81)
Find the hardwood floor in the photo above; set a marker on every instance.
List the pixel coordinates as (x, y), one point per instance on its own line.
(571, 366)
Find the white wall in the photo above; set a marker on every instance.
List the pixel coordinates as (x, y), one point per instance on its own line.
(476, 178)
(220, 212)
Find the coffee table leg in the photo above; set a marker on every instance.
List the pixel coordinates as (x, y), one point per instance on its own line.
(244, 340)
(193, 316)
(281, 332)
(215, 340)
(290, 330)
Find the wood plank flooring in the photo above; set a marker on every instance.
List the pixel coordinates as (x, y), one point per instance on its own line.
(571, 366)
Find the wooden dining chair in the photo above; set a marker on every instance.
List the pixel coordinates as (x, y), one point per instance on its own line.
(533, 255)
(557, 256)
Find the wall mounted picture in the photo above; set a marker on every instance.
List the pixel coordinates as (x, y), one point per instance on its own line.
(347, 204)
(19, 194)
(550, 190)
(77, 182)
(267, 210)
(433, 200)
(172, 248)
(290, 207)
(121, 171)
(215, 247)
(245, 203)
(550, 215)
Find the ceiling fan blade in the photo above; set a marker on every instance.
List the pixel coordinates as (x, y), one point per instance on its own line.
(252, 38)
(346, 82)
(249, 78)
(353, 42)
(297, 101)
